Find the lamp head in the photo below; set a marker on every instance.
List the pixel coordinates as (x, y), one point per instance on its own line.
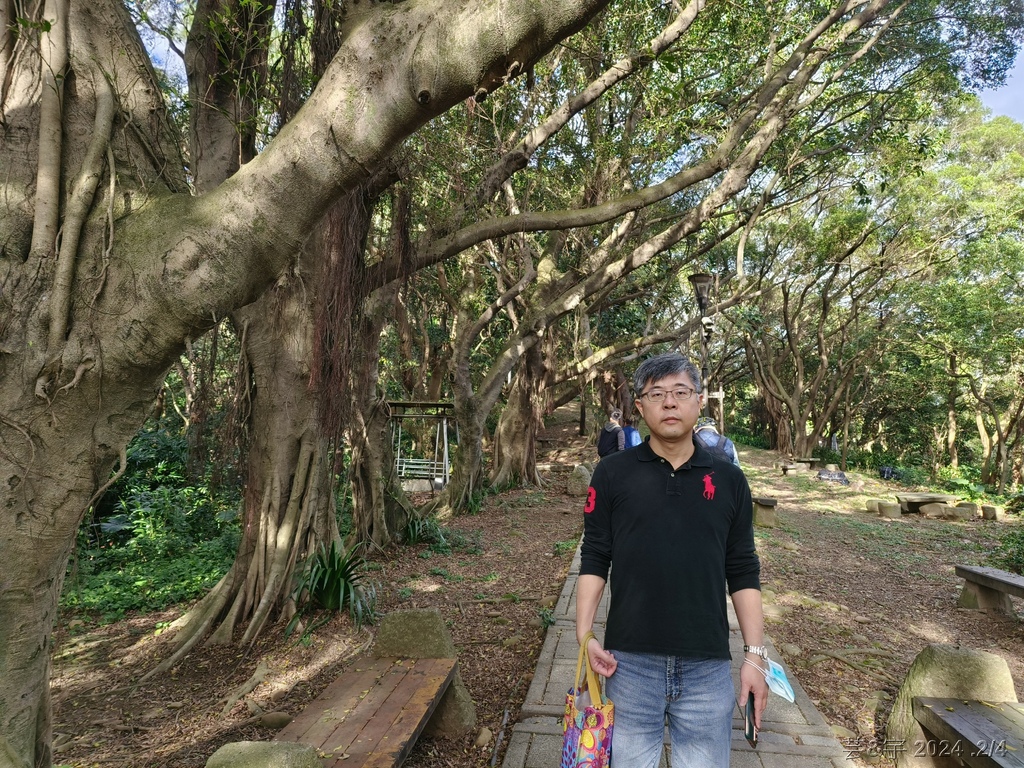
(701, 283)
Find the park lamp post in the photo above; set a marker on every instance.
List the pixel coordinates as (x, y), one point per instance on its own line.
(701, 283)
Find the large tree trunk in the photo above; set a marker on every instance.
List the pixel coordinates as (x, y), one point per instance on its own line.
(380, 508)
(515, 439)
(288, 504)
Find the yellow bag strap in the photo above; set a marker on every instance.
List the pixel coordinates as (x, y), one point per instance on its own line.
(593, 685)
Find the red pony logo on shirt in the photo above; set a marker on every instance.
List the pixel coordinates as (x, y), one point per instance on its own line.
(591, 500)
(709, 488)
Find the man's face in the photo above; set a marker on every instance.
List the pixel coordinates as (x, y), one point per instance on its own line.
(673, 416)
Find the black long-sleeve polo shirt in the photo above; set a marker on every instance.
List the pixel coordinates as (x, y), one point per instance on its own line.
(675, 541)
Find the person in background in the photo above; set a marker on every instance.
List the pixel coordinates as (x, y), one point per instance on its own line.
(611, 438)
(706, 431)
(672, 523)
(633, 438)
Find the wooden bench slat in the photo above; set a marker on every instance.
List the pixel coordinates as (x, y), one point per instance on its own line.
(974, 725)
(1013, 712)
(344, 734)
(407, 722)
(338, 698)
(387, 734)
(993, 578)
(372, 714)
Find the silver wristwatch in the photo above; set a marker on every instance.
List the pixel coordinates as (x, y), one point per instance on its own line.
(759, 650)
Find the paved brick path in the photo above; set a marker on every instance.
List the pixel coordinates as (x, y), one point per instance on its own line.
(794, 735)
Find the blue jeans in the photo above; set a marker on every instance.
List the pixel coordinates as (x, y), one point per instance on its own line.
(697, 696)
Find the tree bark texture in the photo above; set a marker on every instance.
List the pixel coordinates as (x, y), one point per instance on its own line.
(515, 439)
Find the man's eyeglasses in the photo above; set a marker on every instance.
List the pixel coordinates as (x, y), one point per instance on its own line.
(678, 394)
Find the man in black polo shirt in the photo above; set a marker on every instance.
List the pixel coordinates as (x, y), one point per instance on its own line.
(675, 521)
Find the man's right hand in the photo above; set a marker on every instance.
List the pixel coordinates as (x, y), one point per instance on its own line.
(601, 660)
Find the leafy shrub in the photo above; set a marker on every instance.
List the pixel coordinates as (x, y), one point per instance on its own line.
(1009, 555)
(334, 580)
(565, 547)
(741, 437)
(109, 583)
(156, 538)
(1015, 506)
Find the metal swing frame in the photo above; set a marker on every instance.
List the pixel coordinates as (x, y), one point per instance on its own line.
(438, 469)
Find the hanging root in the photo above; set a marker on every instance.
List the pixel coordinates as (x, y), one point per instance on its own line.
(77, 210)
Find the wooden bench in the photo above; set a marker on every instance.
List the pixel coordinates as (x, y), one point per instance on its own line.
(372, 714)
(982, 734)
(989, 589)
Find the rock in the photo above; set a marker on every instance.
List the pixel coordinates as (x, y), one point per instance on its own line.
(512, 642)
(891, 510)
(422, 634)
(264, 754)
(483, 738)
(280, 693)
(842, 733)
(767, 596)
(974, 508)
(791, 546)
(791, 650)
(933, 509)
(965, 511)
(872, 505)
(549, 602)
(945, 671)
(991, 512)
(275, 720)
(764, 515)
(579, 481)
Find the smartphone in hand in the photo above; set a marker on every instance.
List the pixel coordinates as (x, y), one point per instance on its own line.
(748, 720)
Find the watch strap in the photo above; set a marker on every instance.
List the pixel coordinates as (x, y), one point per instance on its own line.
(759, 650)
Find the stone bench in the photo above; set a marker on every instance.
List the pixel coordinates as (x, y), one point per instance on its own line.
(372, 714)
(912, 502)
(981, 734)
(764, 512)
(989, 589)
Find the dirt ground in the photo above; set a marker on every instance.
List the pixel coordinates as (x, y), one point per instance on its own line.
(851, 599)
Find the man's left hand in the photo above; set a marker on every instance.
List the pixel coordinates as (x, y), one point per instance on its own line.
(753, 680)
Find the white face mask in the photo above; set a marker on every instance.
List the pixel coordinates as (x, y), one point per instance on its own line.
(776, 678)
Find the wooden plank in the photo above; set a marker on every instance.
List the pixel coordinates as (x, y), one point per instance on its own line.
(979, 734)
(340, 736)
(391, 735)
(372, 714)
(341, 696)
(1014, 712)
(993, 578)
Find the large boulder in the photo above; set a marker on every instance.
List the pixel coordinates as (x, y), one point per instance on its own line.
(264, 754)
(944, 671)
(422, 634)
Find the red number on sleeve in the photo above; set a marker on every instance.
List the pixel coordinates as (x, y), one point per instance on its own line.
(591, 500)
